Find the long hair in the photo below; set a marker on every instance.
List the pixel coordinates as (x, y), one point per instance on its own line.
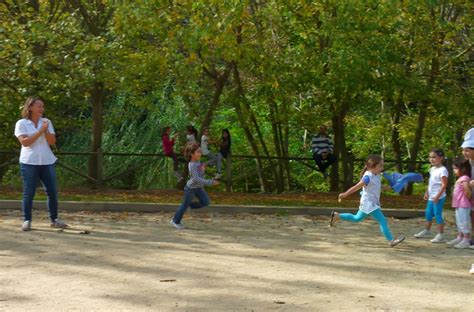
(189, 149)
(25, 111)
(371, 162)
(463, 165)
(228, 136)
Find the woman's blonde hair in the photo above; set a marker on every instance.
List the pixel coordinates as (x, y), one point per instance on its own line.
(25, 111)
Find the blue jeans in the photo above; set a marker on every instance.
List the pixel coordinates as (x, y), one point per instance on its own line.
(189, 194)
(376, 214)
(435, 210)
(47, 175)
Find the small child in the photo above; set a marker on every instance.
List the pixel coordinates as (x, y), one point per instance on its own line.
(436, 196)
(213, 159)
(168, 144)
(462, 203)
(371, 184)
(195, 185)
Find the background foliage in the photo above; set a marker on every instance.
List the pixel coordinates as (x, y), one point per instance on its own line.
(388, 77)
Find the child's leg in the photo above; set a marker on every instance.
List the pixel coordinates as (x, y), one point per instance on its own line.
(187, 198)
(203, 199)
(429, 214)
(464, 223)
(458, 214)
(175, 161)
(380, 218)
(438, 212)
(353, 218)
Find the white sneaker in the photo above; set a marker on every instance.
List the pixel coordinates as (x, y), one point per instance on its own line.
(463, 245)
(394, 242)
(439, 238)
(218, 176)
(26, 226)
(178, 226)
(423, 234)
(58, 224)
(455, 241)
(472, 269)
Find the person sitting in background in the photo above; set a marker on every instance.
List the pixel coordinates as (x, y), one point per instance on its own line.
(323, 148)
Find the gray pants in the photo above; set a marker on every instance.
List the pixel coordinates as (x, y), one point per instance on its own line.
(214, 159)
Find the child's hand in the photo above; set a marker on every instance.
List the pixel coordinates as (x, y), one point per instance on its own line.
(341, 196)
(203, 167)
(425, 197)
(215, 182)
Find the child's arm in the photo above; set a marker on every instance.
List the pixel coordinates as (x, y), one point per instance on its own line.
(352, 190)
(467, 189)
(444, 184)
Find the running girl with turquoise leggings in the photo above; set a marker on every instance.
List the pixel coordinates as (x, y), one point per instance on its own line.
(371, 184)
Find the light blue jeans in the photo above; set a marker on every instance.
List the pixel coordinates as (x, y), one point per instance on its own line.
(31, 174)
(435, 210)
(189, 194)
(376, 214)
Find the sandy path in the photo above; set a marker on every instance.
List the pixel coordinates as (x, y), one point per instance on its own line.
(226, 263)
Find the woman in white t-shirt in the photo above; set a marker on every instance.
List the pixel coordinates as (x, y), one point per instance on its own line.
(37, 161)
(436, 196)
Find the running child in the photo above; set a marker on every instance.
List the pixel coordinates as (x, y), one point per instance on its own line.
(436, 196)
(195, 185)
(462, 203)
(371, 184)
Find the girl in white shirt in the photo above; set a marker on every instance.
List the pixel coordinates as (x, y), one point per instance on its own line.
(371, 185)
(36, 134)
(436, 196)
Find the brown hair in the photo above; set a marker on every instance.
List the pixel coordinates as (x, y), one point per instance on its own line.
(25, 111)
(371, 162)
(189, 149)
(463, 165)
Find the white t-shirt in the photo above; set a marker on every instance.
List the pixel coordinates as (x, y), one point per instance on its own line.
(370, 199)
(435, 182)
(205, 144)
(38, 153)
(190, 138)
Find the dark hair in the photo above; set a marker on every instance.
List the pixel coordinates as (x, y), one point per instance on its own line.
(191, 129)
(164, 130)
(189, 149)
(226, 131)
(463, 165)
(439, 152)
(25, 111)
(371, 162)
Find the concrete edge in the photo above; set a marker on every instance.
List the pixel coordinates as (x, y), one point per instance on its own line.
(76, 206)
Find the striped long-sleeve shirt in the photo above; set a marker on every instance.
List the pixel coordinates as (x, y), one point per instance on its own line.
(321, 143)
(196, 173)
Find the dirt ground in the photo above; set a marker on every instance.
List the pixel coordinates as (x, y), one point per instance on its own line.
(226, 263)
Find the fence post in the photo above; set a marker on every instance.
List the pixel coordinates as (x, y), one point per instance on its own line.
(228, 173)
(100, 162)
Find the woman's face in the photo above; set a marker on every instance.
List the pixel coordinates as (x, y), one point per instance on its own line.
(37, 109)
(225, 134)
(468, 153)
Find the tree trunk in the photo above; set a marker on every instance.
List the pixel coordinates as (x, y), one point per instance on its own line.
(220, 81)
(97, 100)
(340, 150)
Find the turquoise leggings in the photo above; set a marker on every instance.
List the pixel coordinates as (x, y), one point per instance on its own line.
(376, 214)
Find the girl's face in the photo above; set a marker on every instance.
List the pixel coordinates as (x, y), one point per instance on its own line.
(468, 153)
(206, 132)
(37, 109)
(456, 171)
(435, 160)
(377, 169)
(196, 155)
(225, 134)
